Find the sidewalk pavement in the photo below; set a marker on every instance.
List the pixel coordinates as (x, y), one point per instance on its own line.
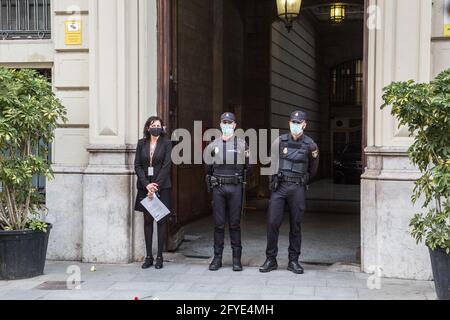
(190, 279)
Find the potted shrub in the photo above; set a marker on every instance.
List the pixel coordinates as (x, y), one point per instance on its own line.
(29, 114)
(425, 109)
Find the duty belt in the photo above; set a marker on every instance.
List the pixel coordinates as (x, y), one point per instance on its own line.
(229, 180)
(299, 180)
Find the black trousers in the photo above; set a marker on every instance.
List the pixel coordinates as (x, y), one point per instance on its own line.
(165, 196)
(294, 196)
(227, 205)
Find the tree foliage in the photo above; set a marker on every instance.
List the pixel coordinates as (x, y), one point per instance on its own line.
(425, 110)
(29, 115)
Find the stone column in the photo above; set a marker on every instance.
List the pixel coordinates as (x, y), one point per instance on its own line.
(108, 181)
(398, 50)
(64, 194)
(123, 83)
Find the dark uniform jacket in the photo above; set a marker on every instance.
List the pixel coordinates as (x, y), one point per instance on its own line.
(161, 163)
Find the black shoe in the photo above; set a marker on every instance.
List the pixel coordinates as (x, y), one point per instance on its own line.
(295, 267)
(269, 265)
(159, 263)
(237, 265)
(147, 263)
(216, 264)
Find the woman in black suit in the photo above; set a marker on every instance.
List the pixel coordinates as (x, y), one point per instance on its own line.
(153, 165)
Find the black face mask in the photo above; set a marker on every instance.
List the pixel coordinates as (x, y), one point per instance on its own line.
(156, 132)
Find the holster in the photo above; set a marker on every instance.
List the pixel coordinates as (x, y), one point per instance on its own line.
(208, 183)
(211, 183)
(274, 183)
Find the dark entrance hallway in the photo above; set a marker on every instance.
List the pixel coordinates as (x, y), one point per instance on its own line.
(235, 55)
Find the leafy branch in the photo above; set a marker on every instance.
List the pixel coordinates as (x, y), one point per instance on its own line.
(425, 110)
(29, 115)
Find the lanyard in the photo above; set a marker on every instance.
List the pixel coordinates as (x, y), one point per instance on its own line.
(152, 152)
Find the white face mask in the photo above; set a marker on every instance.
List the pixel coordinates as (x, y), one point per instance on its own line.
(297, 129)
(227, 130)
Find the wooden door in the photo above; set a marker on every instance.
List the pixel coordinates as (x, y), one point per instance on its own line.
(185, 96)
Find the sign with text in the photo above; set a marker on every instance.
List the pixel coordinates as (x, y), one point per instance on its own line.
(73, 36)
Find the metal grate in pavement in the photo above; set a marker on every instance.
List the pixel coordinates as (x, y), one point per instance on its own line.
(58, 285)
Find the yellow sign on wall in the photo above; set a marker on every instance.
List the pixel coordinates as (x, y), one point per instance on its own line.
(73, 33)
(447, 18)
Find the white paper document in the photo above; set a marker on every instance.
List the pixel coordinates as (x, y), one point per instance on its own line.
(156, 208)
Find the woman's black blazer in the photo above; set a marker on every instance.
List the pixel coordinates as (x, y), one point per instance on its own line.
(162, 164)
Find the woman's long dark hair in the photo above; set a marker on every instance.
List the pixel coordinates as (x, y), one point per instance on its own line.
(151, 121)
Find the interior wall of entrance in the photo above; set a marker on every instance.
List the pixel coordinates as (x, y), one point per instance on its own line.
(221, 59)
(237, 56)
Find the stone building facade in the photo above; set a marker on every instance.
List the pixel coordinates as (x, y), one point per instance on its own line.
(109, 84)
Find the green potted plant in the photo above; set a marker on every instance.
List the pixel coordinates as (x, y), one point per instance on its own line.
(29, 115)
(425, 110)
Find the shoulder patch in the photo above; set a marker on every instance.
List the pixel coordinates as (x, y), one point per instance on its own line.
(315, 153)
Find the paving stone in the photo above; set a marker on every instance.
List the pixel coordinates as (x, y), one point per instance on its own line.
(336, 293)
(403, 289)
(97, 285)
(130, 295)
(218, 288)
(202, 270)
(203, 278)
(185, 295)
(157, 277)
(141, 286)
(285, 290)
(346, 283)
(335, 275)
(21, 285)
(77, 295)
(311, 283)
(193, 281)
(298, 282)
(184, 286)
(282, 297)
(22, 295)
(304, 291)
(244, 280)
(367, 294)
(238, 296)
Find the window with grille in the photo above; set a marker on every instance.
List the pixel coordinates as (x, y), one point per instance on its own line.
(25, 19)
(347, 84)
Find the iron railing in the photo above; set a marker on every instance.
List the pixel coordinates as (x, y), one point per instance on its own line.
(25, 19)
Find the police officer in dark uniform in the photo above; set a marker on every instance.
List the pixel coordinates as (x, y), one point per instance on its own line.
(226, 171)
(297, 162)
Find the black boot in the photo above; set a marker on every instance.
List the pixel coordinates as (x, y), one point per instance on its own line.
(216, 264)
(295, 267)
(147, 263)
(159, 263)
(268, 266)
(237, 264)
